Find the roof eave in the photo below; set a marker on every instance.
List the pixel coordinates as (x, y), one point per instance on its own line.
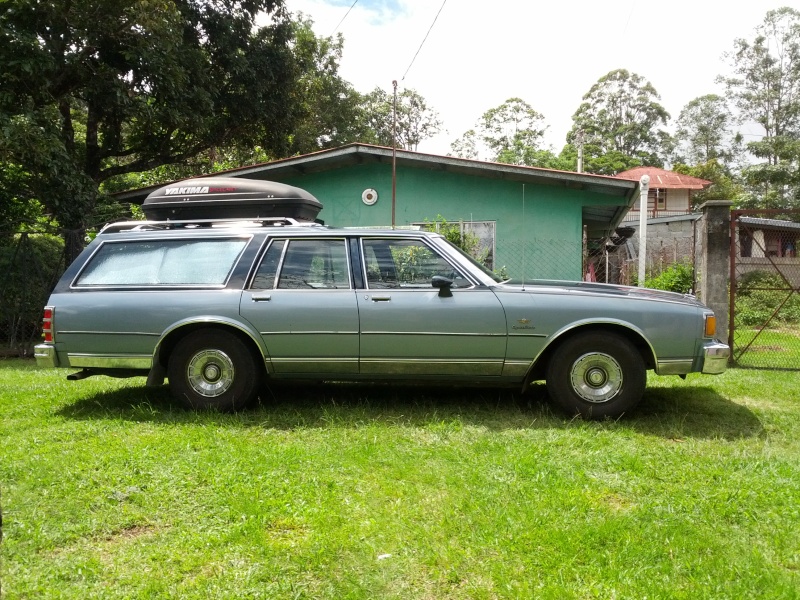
(362, 153)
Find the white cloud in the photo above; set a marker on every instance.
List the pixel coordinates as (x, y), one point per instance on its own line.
(478, 54)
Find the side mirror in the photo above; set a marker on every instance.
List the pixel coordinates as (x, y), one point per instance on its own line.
(443, 283)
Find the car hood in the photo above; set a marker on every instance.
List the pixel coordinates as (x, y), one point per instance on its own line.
(600, 289)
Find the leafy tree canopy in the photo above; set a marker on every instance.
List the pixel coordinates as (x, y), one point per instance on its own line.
(415, 120)
(621, 113)
(93, 89)
(330, 112)
(704, 132)
(765, 88)
(724, 186)
(509, 133)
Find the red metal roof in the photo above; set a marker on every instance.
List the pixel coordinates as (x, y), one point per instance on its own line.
(661, 178)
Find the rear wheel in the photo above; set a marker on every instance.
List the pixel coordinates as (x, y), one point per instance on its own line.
(596, 375)
(213, 369)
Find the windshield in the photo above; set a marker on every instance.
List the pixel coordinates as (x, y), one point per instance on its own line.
(487, 272)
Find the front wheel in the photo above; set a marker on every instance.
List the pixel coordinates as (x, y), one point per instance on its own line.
(213, 369)
(596, 375)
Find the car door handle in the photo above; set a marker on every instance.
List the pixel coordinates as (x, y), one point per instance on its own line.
(265, 298)
(381, 298)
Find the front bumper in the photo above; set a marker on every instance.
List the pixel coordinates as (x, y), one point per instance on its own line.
(45, 355)
(715, 358)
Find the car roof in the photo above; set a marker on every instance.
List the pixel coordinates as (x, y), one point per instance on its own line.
(273, 226)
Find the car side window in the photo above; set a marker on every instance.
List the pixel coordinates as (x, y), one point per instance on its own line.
(314, 264)
(162, 263)
(264, 278)
(396, 263)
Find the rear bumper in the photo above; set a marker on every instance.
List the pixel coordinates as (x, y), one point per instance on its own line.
(715, 358)
(45, 355)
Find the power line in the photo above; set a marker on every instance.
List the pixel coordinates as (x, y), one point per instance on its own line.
(344, 17)
(423, 41)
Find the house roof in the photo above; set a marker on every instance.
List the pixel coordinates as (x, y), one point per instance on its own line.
(599, 218)
(774, 224)
(661, 178)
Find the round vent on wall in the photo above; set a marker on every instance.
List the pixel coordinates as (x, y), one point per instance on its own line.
(369, 196)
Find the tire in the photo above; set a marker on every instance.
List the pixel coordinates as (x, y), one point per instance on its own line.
(212, 369)
(596, 375)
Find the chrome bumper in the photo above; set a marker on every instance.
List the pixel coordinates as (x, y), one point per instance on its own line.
(45, 355)
(715, 358)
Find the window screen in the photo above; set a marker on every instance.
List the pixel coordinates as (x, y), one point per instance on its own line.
(163, 262)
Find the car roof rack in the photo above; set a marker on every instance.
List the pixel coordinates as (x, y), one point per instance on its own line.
(205, 223)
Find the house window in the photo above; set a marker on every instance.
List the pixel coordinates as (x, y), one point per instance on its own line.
(481, 233)
(657, 199)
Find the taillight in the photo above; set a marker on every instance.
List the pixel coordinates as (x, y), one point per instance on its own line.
(711, 325)
(47, 324)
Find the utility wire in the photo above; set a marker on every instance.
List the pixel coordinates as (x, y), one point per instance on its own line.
(423, 41)
(344, 17)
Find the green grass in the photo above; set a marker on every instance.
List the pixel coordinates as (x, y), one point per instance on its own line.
(110, 490)
(768, 348)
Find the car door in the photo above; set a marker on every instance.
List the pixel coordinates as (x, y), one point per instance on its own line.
(302, 302)
(407, 328)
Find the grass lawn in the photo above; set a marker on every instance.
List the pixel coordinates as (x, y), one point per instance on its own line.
(770, 348)
(110, 490)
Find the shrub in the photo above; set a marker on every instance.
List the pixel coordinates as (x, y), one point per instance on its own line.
(31, 264)
(678, 277)
(759, 294)
(453, 233)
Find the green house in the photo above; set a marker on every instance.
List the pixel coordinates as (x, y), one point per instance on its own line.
(531, 223)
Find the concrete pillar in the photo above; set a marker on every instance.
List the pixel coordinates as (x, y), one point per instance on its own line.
(714, 264)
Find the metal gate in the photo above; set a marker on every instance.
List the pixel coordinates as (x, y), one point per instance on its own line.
(764, 328)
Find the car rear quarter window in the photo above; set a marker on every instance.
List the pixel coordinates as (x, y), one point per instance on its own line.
(162, 263)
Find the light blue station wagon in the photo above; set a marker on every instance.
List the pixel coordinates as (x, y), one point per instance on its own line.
(221, 306)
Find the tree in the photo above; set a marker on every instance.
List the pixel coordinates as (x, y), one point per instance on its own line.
(765, 87)
(724, 185)
(509, 133)
(596, 161)
(621, 113)
(330, 111)
(416, 121)
(703, 132)
(94, 90)
(511, 130)
(466, 146)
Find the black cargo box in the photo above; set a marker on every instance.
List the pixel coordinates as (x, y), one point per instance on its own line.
(229, 198)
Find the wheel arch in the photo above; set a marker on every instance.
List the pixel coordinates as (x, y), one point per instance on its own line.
(632, 334)
(173, 335)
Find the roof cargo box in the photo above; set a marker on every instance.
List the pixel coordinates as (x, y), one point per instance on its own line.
(229, 198)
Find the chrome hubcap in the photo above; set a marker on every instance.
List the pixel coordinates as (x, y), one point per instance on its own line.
(596, 377)
(210, 373)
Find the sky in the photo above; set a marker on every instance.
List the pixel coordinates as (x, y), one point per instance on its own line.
(480, 53)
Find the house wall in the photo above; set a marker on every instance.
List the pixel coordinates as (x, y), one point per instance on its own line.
(669, 240)
(677, 200)
(541, 237)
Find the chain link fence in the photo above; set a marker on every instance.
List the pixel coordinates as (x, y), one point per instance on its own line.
(765, 287)
(539, 259)
(669, 242)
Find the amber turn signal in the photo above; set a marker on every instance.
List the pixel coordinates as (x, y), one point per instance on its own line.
(711, 325)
